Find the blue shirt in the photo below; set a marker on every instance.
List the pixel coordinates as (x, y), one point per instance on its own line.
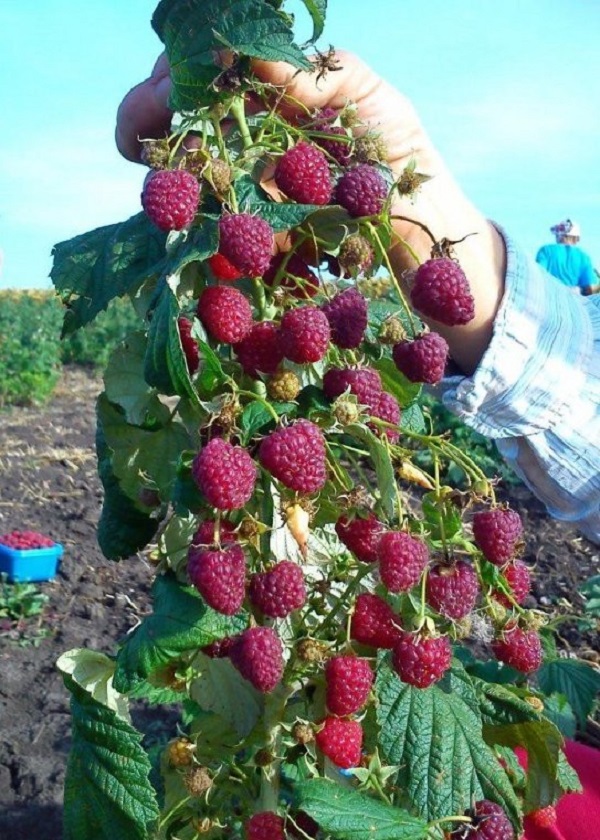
(536, 391)
(567, 263)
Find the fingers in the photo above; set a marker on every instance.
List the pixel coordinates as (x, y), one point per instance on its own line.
(144, 112)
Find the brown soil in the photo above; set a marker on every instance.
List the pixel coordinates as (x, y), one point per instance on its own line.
(48, 483)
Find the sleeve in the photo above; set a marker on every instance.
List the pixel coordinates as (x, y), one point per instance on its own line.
(587, 276)
(541, 257)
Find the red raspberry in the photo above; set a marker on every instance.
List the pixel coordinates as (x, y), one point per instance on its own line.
(223, 269)
(364, 383)
(543, 817)
(225, 473)
(489, 822)
(170, 198)
(452, 589)
(219, 649)
(302, 173)
(361, 191)
(257, 653)
(188, 345)
(297, 276)
(347, 316)
(219, 575)
(296, 456)
(497, 533)
(247, 242)
(386, 407)
(304, 334)
(341, 741)
(339, 150)
(279, 591)
(266, 825)
(361, 535)
(374, 622)
(422, 360)
(441, 291)
(521, 649)
(205, 533)
(225, 313)
(402, 560)
(421, 660)
(260, 349)
(348, 684)
(519, 580)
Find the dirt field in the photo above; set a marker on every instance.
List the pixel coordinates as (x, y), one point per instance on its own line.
(48, 483)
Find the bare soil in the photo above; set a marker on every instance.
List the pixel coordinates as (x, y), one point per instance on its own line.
(48, 483)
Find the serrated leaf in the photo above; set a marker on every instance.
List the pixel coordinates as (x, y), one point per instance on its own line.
(176, 538)
(211, 371)
(253, 199)
(94, 672)
(576, 680)
(382, 464)
(317, 10)
(567, 776)
(350, 815)
(222, 690)
(331, 225)
(500, 704)
(91, 269)
(124, 381)
(107, 792)
(441, 517)
(396, 383)
(557, 709)
(413, 419)
(591, 592)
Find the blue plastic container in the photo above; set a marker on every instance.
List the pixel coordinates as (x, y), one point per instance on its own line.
(30, 564)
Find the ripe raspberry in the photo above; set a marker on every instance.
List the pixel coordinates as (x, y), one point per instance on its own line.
(260, 349)
(489, 822)
(386, 408)
(266, 825)
(279, 591)
(219, 575)
(422, 360)
(374, 622)
(361, 191)
(519, 580)
(341, 741)
(222, 269)
(170, 198)
(361, 535)
(521, 649)
(297, 276)
(421, 660)
(356, 255)
(225, 313)
(441, 291)
(284, 386)
(225, 473)
(302, 173)
(347, 316)
(304, 334)
(220, 649)
(452, 589)
(497, 533)
(205, 533)
(364, 383)
(340, 150)
(257, 653)
(402, 560)
(348, 684)
(543, 817)
(296, 456)
(247, 242)
(188, 345)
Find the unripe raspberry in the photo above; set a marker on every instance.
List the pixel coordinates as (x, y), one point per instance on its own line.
(386, 407)
(543, 817)
(218, 174)
(364, 383)
(219, 575)
(303, 733)
(497, 533)
(222, 269)
(257, 654)
(279, 591)
(304, 334)
(155, 153)
(266, 825)
(362, 191)
(361, 536)
(283, 386)
(422, 360)
(410, 181)
(370, 148)
(311, 650)
(421, 660)
(297, 277)
(295, 455)
(197, 781)
(402, 560)
(225, 313)
(188, 345)
(225, 474)
(519, 648)
(347, 316)
(346, 410)
(356, 254)
(452, 589)
(180, 752)
(374, 622)
(441, 291)
(247, 242)
(341, 741)
(170, 198)
(348, 684)
(488, 822)
(260, 349)
(518, 579)
(302, 173)
(392, 331)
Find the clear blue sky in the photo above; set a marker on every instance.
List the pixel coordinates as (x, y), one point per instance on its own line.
(510, 93)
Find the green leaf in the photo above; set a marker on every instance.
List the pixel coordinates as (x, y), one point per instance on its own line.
(194, 31)
(317, 10)
(396, 383)
(222, 690)
(567, 776)
(380, 458)
(107, 792)
(124, 381)
(253, 418)
(436, 739)
(95, 267)
(349, 814)
(94, 672)
(413, 419)
(591, 592)
(557, 709)
(576, 680)
(253, 199)
(181, 622)
(442, 517)
(500, 704)
(211, 371)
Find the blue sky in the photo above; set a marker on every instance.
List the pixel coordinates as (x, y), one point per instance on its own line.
(510, 93)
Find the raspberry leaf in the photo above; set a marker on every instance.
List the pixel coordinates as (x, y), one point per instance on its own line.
(94, 672)
(382, 464)
(222, 690)
(576, 680)
(253, 199)
(317, 10)
(124, 381)
(395, 382)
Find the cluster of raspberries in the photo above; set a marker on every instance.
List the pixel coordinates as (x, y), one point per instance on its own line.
(365, 384)
(25, 540)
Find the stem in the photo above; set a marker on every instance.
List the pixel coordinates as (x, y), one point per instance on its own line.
(353, 586)
(262, 401)
(388, 265)
(275, 704)
(259, 297)
(239, 113)
(341, 478)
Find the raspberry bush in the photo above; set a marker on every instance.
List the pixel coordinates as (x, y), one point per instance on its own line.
(315, 592)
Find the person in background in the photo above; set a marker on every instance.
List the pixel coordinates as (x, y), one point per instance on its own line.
(566, 261)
